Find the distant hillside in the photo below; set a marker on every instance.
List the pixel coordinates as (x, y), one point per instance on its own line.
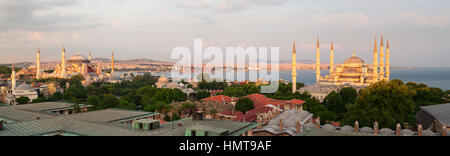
(19, 64)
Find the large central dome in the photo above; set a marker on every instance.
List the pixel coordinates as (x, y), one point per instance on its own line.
(354, 60)
(78, 59)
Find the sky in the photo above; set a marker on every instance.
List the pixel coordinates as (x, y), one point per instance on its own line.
(418, 30)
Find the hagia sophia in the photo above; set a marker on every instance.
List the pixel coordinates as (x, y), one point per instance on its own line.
(76, 65)
(352, 72)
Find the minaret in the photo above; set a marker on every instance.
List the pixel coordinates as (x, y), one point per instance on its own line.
(112, 63)
(318, 62)
(388, 63)
(89, 57)
(13, 77)
(294, 70)
(332, 59)
(38, 64)
(375, 62)
(382, 59)
(63, 62)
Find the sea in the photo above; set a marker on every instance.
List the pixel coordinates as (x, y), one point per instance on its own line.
(431, 76)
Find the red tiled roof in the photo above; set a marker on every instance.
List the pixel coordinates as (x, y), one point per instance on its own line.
(261, 102)
(219, 98)
(226, 112)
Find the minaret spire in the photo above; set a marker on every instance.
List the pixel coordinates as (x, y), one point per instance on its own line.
(38, 64)
(13, 77)
(112, 63)
(89, 57)
(63, 62)
(375, 62)
(294, 70)
(382, 59)
(332, 59)
(388, 63)
(318, 61)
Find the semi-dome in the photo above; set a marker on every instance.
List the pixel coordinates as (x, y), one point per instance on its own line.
(354, 60)
(78, 59)
(24, 87)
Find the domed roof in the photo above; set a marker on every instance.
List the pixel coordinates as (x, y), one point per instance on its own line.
(163, 79)
(78, 58)
(347, 128)
(366, 130)
(387, 131)
(24, 87)
(329, 127)
(354, 60)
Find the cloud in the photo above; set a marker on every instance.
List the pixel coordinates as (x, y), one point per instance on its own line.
(39, 15)
(228, 5)
(413, 18)
(345, 18)
(36, 36)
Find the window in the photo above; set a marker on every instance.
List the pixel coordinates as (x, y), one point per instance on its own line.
(193, 133)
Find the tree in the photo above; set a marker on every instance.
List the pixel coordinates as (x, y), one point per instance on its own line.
(388, 103)
(244, 105)
(334, 103)
(326, 116)
(56, 97)
(23, 100)
(108, 101)
(314, 106)
(202, 94)
(39, 100)
(74, 94)
(348, 95)
(126, 105)
(76, 80)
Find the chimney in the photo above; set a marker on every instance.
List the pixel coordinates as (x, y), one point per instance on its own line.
(356, 127)
(318, 122)
(38, 118)
(420, 130)
(299, 127)
(280, 125)
(375, 128)
(399, 129)
(444, 130)
(180, 124)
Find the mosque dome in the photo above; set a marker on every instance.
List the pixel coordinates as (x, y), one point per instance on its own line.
(354, 60)
(78, 59)
(24, 87)
(163, 79)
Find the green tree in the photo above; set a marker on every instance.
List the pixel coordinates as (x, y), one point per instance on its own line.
(202, 94)
(348, 95)
(56, 97)
(314, 106)
(334, 103)
(23, 100)
(388, 103)
(126, 105)
(39, 100)
(244, 105)
(76, 80)
(326, 116)
(74, 94)
(108, 101)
